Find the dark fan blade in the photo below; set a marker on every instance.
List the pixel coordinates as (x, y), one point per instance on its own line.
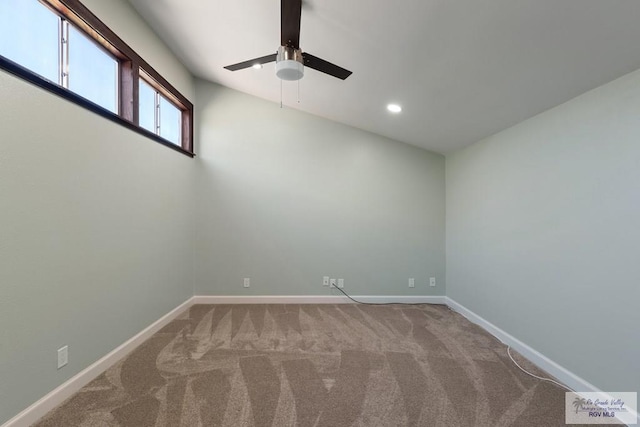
(251, 62)
(290, 14)
(325, 66)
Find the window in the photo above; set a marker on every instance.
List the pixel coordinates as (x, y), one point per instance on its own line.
(61, 46)
(50, 46)
(89, 71)
(147, 111)
(30, 37)
(158, 114)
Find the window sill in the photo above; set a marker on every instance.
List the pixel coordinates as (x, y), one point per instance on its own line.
(25, 74)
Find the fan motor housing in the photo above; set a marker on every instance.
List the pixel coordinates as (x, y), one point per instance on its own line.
(289, 63)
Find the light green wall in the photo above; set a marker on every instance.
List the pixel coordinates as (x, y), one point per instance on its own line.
(286, 198)
(543, 233)
(103, 231)
(95, 229)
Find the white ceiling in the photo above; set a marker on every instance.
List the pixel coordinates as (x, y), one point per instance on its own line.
(461, 69)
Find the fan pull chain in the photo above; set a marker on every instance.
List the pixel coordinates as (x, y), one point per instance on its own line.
(280, 93)
(298, 91)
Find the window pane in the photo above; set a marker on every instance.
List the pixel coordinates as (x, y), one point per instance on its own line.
(29, 36)
(147, 106)
(92, 72)
(170, 121)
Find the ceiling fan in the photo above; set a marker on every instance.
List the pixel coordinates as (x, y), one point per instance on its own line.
(290, 60)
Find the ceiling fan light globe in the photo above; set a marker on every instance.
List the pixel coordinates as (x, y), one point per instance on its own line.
(289, 69)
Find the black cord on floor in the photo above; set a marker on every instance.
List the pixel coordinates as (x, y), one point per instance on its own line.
(380, 303)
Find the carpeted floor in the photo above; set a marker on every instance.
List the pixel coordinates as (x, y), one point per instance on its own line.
(316, 365)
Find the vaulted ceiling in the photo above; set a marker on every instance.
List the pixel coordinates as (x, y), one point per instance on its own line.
(461, 69)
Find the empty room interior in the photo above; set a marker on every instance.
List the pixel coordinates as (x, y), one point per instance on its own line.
(318, 213)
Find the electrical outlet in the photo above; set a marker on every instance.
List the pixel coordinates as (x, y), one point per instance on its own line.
(325, 281)
(247, 282)
(432, 281)
(412, 282)
(341, 283)
(333, 283)
(63, 356)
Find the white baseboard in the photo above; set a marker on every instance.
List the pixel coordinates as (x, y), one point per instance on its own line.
(39, 409)
(63, 392)
(313, 299)
(561, 373)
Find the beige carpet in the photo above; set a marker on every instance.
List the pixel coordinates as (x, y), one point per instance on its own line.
(316, 365)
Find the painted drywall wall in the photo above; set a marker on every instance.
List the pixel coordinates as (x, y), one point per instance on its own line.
(543, 233)
(285, 198)
(95, 233)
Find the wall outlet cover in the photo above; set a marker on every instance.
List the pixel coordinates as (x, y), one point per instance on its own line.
(341, 283)
(432, 281)
(325, 281)
(63, 356)
(247, 282)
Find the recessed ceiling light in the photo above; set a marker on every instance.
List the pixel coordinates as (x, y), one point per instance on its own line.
(394, 108)
(257, 66)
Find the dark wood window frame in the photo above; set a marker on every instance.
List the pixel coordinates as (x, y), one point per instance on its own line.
(130, 64)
